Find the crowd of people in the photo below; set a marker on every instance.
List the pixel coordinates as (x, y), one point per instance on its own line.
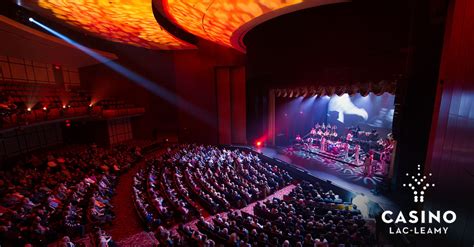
(66, 194)
(187, 179)
(308, 216)
(47, 196)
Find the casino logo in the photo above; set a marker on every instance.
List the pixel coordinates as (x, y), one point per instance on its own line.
(419, 222)
(419, 185)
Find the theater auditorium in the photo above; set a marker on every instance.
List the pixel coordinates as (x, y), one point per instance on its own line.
(293, 123)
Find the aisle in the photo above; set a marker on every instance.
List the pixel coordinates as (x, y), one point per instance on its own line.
(127, 222)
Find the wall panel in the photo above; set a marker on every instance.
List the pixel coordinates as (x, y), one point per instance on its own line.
(450, 156)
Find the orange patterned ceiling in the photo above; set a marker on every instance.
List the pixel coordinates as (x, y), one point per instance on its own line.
(219, 20)
(125, 21)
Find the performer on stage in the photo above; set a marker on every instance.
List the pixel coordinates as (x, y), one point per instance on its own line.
(327, 133)
(313, 132)
(334, 135)
(319, 133)
(323, 144)
(345, 147)
(349, 137)
(357, 154)
(369, 164)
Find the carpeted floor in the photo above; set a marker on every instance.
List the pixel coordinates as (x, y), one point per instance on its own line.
(127, 223)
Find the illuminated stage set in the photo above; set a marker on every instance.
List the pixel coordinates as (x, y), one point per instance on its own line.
(352, 133)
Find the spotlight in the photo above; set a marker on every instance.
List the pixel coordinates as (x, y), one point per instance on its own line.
(44, 108)
(90, 105)
(259, 143)
(304, 92)
(29, 109)
(31, 19)
(64, 106)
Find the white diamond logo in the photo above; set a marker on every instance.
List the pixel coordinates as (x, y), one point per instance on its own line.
(419, 185)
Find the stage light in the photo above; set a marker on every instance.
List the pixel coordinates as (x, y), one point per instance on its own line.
(138, 79)
(44, 108)
(305, 92)
(29, 109)
(31, 19)
(64, 106)
(258, 143)
(90, 105)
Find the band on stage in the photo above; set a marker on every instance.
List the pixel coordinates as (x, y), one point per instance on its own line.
(356, 147)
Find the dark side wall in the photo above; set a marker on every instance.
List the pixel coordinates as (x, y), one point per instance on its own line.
(450, 157)
(188, 76)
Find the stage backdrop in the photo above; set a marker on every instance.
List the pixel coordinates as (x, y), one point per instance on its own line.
(368, 113)
(298, 115)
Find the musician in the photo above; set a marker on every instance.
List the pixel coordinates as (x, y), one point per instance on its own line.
(323, 144)
(326, 133)
(313, 132)
(319, 133)
(323, 127)
(334, 135)
(345, 147)
(357, 154)
(368, 165)
(349, 136)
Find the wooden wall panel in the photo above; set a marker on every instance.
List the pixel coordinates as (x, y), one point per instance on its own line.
(450, 156)
(238, 105)
(223, 104)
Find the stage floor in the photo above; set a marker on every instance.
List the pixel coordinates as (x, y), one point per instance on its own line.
(342, 175)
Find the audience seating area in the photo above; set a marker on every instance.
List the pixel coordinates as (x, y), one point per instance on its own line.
(189, 181)
(60, 193)
(188, 195)
(27, 104)
(308, 216)
(223, 181)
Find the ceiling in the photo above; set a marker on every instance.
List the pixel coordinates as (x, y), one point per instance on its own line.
(125, 21)
(224, 22)
(41, 47)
